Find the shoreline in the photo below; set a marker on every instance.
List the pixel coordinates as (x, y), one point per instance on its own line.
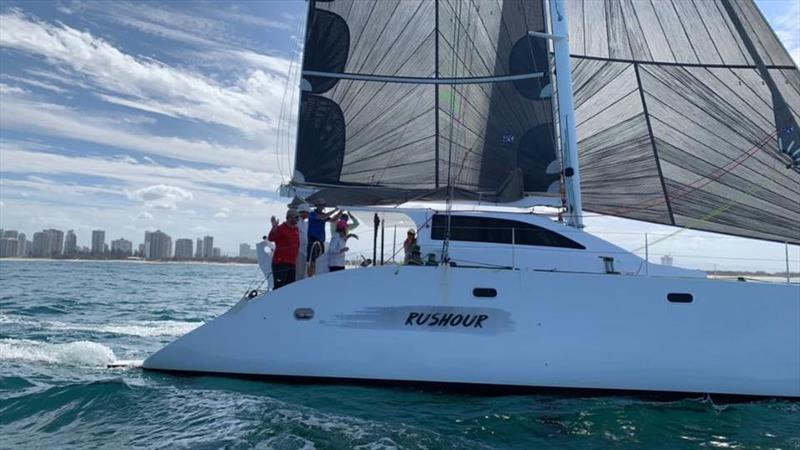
(136, 261)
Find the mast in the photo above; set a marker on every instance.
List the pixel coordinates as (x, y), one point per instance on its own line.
(566, 111)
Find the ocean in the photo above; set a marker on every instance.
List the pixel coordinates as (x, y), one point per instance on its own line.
(63, 322)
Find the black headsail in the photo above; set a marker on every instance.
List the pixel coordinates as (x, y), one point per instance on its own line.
(687, 114)
(372, 118)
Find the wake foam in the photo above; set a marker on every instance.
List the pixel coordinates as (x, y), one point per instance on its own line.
(80, 353)
(146, 328)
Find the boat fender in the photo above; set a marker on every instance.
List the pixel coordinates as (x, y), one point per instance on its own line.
(252, 294)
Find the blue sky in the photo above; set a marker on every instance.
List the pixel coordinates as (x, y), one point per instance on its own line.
(132, 116)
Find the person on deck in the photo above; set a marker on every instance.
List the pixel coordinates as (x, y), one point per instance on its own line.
(346, 218)
(408, 245)
(287, 243)
(316, 233)
(302, 254)
(338, 247)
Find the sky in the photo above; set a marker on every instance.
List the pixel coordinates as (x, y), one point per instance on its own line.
(180, 116)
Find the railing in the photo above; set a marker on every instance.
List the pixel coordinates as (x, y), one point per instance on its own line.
(719, 256)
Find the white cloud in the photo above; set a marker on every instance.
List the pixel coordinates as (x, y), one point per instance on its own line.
(6, 89)
(250, 104)
(144, 215)
(222, 213)
(56, 120)
(260, 22)
(36, 83)
(161, 196)
(15, 158)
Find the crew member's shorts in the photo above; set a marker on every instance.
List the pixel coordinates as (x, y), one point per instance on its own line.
(315, 249)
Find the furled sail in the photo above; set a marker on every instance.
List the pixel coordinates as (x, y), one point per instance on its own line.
(410, 97)
(687, 114)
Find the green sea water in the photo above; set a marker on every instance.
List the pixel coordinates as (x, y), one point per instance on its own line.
(63, 322)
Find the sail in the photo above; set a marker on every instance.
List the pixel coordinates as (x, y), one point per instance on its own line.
(417, 96)
(687, 114)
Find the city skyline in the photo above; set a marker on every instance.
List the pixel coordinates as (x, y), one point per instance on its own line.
(155, 245)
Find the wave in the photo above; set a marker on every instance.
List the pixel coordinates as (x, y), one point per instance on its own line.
(146, 328)
(80, 353)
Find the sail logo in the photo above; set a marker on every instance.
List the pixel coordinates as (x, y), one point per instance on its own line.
(446, 319)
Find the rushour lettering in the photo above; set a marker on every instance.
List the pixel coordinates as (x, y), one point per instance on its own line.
(440, 319)
(469, 319)
(446, 320)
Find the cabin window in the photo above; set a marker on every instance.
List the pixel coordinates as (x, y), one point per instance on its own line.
(498, 231)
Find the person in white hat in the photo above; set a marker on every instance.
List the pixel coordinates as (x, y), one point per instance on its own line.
(302, 225)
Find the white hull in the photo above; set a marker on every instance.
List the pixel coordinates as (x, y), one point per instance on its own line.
(543, 329)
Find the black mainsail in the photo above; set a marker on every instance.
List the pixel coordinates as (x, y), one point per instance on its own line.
(419, 95)
(686, 110)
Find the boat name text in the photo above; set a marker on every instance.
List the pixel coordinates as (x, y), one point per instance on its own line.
(446, 319)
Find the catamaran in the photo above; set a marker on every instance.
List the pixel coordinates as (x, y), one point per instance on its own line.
(674, 112)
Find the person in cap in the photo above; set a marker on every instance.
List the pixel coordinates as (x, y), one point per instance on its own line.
(286, 237)
(408, 245)
(316, 233)
(338, 247)
(302, 226)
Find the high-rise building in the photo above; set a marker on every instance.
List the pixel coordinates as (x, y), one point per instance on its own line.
(8, 247)
(98, 242)
(140, 253)
(157, 245)
(208, 247)
(22, 245)
(198, 252)
(41, 245)
(121, 247)
(11, 234)
(246, 252)
(216, 253)
(71, 243)
(55, 241)
(183, 248)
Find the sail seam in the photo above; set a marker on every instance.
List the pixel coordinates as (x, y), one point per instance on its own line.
(653, 144)
(679, 64)
(423, 80)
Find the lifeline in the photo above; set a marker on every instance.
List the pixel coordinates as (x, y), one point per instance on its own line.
(446, 319)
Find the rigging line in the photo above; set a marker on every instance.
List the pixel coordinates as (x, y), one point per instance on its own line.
(716, 175)
(294, 108)
(726, 206)
(449, 197)
(282, 116)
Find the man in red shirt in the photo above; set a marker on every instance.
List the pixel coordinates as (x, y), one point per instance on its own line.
(287, 243)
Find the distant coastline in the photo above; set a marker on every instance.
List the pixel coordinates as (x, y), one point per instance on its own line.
(232, 261)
